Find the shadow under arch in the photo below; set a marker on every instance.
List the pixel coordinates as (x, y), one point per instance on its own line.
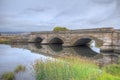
(82, 42)
(85, 40)
(56, 40)
(38, 40)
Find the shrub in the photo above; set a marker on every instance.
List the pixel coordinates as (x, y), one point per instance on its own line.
(58, 28)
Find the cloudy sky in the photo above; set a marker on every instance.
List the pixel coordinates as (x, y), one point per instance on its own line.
(42, 15)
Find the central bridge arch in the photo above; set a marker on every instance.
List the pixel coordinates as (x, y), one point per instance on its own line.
(56, 40)
(85, 40)
(38, 39)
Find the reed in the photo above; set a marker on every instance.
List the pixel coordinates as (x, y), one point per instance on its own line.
(75, 68)
(19, 68)
(68, 68)
(8, 76)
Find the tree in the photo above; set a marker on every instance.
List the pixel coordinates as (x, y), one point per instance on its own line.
(59, 28)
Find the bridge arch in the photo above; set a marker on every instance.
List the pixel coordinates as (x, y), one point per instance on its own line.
(56, 40)
(38, 39)
(85, 40)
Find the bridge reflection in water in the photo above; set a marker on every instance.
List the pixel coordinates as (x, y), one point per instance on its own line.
(54, 50)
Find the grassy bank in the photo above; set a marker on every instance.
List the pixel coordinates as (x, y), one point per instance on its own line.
(4, 41)
(71, 68)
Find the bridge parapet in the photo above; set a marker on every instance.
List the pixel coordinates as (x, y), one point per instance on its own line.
(96, 30)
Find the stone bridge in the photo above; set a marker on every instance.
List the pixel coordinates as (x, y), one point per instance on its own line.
(105, 38)
(102, 36)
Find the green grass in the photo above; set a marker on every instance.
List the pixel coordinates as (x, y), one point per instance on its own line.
(105, 76)
(4, 41)
(74, 68)
(113, 69)
(8, 76)
(19, 68)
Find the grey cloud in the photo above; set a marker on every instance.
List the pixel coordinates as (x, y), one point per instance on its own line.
(34, 10)
(103, 1)
(45, 14)
(24, 27)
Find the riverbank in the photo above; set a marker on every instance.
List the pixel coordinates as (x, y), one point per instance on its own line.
(4, 41)
(11, 58)
(75, 68)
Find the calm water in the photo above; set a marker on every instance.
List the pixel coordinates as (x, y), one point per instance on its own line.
(25, 54)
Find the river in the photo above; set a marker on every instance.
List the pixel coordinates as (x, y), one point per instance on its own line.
(26, 54)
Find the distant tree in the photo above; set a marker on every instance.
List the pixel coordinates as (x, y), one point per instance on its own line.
(59, 28)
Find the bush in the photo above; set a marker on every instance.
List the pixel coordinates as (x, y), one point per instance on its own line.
(58, 28)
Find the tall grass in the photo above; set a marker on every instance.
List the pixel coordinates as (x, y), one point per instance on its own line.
(74, 68)
(105, 76)
(113, 69)
(65, 69)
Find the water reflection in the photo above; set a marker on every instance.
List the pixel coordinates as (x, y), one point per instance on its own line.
(85, 51)
(107, 58)
(38, 45)
(56, 47)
